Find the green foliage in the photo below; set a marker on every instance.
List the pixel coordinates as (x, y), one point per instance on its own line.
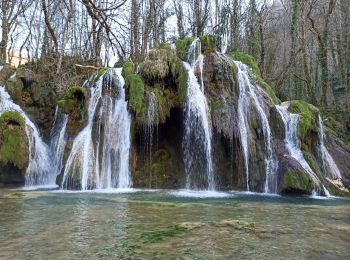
(208, 44)
(309, 115)
(297, 181)
(158, 235)
(13, 140)
(128, 68)
(182, 47)
(136, 90)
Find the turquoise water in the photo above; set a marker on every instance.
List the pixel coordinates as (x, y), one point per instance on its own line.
(160, 225)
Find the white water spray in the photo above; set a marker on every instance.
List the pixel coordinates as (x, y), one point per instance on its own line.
(197, 124)
(104, 164)
(327, 159)
(39, 171)
(291, 122)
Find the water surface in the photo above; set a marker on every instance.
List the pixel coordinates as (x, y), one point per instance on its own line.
(169, 225)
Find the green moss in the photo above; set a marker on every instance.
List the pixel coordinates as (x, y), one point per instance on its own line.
(308, 119)
(311, 160)
(158, 235)
(248, 60)
(208, 44)
(158, 64)
(166, 100)
(128, 68)
(13, 140)
(100, 72)
(269, 90)
(136, 90)
(251, 62)
(180, 75)
(165, 46)
(73, 100)
(335, 191)
(182, 47)
(297, 181)
(13, 116)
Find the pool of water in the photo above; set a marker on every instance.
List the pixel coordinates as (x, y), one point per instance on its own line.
(134, 224)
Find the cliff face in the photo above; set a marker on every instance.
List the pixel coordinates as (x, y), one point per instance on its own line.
(253, 145)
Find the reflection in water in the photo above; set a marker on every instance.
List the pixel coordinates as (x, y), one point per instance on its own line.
(157, 225)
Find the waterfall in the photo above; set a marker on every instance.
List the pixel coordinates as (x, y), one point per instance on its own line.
(105, 162)
(327, 159)
(58, 140)
(247, 92)
(39, 171)
(150, 127)
(197, 127)
(291, 122)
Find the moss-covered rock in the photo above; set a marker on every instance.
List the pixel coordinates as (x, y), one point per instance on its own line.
(166, 100)
(158, 64)
(13, 140)
(100, 72)
(182, 47)
(311, 160)
(251, 62)
(308, 117)
(297, 182)
(73, 104)
(128, 68)
(208, 44)
(248, 60)
(136, 90)
(180, 75)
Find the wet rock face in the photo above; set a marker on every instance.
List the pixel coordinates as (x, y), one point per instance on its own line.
(14, 149)
(163, 168)
(340, 153)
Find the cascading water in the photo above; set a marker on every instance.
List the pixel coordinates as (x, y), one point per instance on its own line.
(150, 129)
(105, 163)
(292, 142)
(247, 91)
(58, 140)
(197, 128)
(327, 160)
(39, 172)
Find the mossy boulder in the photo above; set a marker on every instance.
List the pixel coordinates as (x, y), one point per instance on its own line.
(14, 147)
(73, 104)
(136, 89)
(297, 182)
(308, 117)
(158, 64)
